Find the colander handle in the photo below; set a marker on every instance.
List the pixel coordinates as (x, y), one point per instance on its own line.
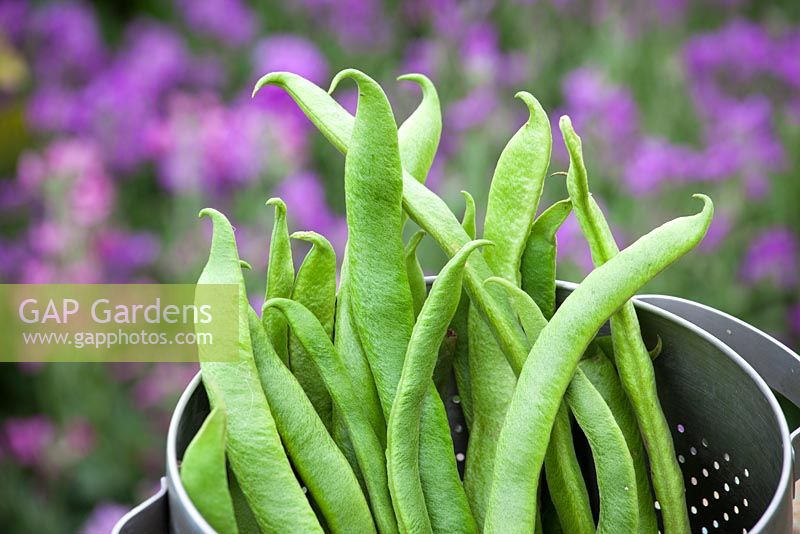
(776, 363)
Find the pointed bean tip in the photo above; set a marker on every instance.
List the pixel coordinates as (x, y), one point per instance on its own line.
(244, 265)
(271, 78)
(708, 204)
(303, 235)
(355, 74)
(208, 212)
(278, 202)
(420, 79)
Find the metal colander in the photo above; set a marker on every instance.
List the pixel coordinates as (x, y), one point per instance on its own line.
(730, 435)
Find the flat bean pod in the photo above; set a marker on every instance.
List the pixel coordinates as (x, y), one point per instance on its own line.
(403, 451)
(280, 278)
(538, 266)
(630, 353)
(459, 326)
(564, 477)
(349, 348)
(381, 297)
(553, 359)
(368, 448)
(416, 278)
(316, 457)
(253, 445)
(601, 373)
(419, 134)
(563, 472)
(516, 189)
(205, 477)
(314, 288)
(514, 195)
(616, 477)
(422, 205)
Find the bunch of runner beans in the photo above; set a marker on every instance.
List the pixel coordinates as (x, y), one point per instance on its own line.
(330, 420)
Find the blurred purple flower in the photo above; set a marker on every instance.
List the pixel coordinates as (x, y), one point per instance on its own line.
(202, 144)
(471, 111)
(68, 41)
(12, 254)
(27, 438)
(717, 232)
(103, 518)
(70, 169)
(355, 22)
(606, 112)
(164, 380)
(423, 56)
(51, 108)
(572, 246)
(794, 318)
(307, 208)
(14, 16)
(231, 21)
(80, 437)
(125, 252)
(480, 51)
(773, 255)
(288, 52)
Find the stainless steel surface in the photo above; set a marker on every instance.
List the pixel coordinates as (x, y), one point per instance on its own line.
(151, 516)
(733, 441)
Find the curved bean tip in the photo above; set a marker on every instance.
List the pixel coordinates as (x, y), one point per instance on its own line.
(277, 302)
(244, 265)
(210, 213)
(530, 101)
(416, 238)
(423, 81)
(279, 204)
(303, 235)
(355, 74)
(272, 78)
(470, 246)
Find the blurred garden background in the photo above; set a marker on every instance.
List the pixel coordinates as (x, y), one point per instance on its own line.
(119, 121)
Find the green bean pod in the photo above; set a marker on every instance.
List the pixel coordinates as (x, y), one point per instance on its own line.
(355, 360)
(204, 475)
(516, 190)
(563, 472)
(419, 134)
(402, 450)
(459, 326)
(317, 459)
(314, 288)
(245, 518)
(280, 278)
(253, 446)
(444, 363)
(616, 477)
(630, 353)
(416, 278)
(423, 206)
(538, 266)
(368, 449)
(564, 477)
(601, 373)
(553, 359)
(381, 297)
(514, 195)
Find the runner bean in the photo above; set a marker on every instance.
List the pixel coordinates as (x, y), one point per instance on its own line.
(553, 359)
(253, 446)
